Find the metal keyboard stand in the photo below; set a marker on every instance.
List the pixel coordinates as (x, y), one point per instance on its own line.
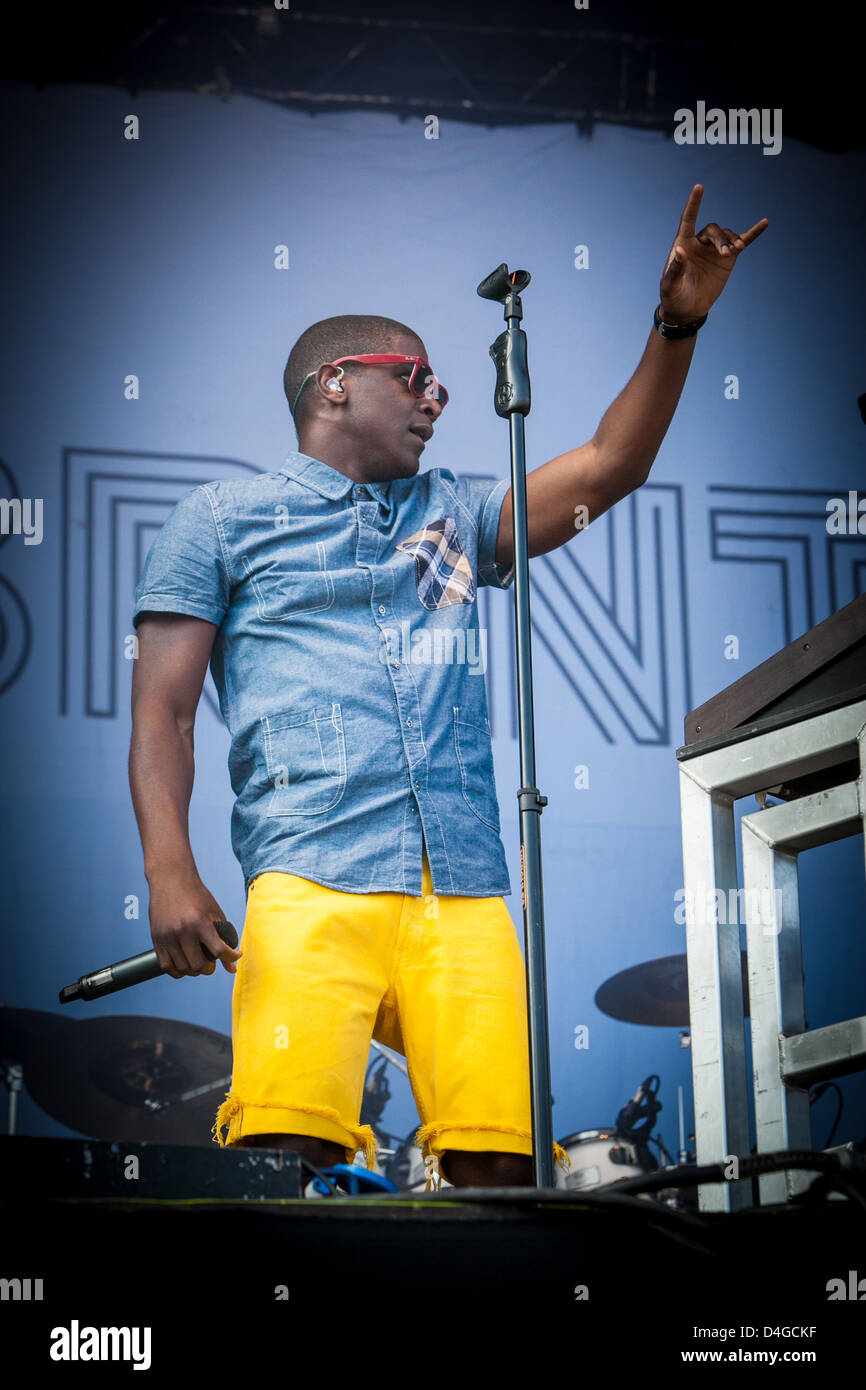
(786, 1058)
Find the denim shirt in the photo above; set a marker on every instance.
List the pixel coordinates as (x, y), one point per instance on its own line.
(350, 666)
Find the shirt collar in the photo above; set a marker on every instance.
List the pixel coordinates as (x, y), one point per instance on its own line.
(330, 482)
(320, 476)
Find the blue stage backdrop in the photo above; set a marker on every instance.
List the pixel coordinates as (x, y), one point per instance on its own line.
(160, 258)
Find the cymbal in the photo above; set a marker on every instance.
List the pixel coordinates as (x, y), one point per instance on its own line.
(22, 1030)
(655, 992)
(131, 1077)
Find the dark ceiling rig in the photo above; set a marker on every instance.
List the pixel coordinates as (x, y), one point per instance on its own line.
(496, 62)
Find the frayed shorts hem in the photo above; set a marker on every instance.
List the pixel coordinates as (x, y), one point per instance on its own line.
(320, 1122)
(435, 1139)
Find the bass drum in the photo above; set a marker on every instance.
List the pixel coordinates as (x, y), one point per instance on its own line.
(599, 1156)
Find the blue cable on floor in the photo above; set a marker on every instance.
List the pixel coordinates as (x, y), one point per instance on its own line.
(353, 1179)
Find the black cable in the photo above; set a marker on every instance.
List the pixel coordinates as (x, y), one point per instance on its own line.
(828, 1182)
(663, 1151)
(319, 1174)
(817, 1093)
(753, 1165)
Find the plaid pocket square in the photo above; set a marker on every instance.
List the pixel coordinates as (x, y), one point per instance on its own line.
(442, 572)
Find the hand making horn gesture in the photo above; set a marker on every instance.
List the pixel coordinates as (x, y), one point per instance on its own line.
(699, 263)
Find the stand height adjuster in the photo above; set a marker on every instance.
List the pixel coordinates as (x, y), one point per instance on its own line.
(530, 799)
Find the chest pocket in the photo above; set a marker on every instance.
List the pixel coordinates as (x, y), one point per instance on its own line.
(443, 574)
(305, 752)
(283, 591)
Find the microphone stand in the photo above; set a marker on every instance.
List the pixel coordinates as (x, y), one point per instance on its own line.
(512, 399)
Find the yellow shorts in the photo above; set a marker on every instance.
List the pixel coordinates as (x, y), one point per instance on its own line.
(439, 979)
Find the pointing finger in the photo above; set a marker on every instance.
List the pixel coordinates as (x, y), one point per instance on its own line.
(690, 212)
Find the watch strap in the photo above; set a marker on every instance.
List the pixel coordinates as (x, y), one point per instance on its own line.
(676, 330)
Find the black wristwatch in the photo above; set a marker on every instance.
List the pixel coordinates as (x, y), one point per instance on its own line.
(676, 330)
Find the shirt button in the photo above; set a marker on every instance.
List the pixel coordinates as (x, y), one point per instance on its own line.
(396, 665)
(418, 786)
(381, 608)
(409, 722)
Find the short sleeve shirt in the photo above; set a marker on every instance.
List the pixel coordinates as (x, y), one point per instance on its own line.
(350, 666)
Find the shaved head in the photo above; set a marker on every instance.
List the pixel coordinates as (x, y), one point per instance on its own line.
(339, 337)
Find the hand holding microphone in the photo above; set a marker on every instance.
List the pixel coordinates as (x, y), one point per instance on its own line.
(182, 917)
(190, 933)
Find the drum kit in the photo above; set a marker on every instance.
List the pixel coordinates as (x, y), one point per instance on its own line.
(159, 1080)
(117, 1077)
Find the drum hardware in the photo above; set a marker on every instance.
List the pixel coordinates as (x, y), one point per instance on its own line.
(602, 1157)
(22, 1032)
(376, 1094)
(12, 1076)
(394, 1058)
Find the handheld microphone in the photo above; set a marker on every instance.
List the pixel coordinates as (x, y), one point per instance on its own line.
(132, 971)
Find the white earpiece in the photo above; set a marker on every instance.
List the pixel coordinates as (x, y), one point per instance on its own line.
(334, 385)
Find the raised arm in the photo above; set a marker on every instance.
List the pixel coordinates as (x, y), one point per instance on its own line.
(168, 676)
(566, 494)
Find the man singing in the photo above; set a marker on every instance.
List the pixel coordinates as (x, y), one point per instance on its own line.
(335, 600)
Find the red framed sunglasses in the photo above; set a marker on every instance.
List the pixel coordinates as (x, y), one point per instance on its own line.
(422, 382)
